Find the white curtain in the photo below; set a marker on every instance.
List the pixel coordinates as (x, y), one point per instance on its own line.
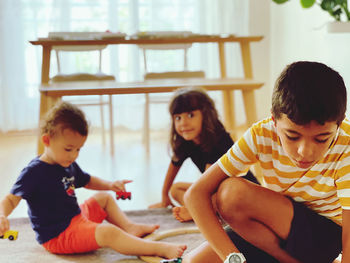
(24, 20)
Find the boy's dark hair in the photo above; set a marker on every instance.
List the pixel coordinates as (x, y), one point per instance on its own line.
(62, 116)
(191, 99)
(309, 91)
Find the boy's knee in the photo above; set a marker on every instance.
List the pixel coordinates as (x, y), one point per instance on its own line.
(103, 198)
(231, 197)
(189, 258)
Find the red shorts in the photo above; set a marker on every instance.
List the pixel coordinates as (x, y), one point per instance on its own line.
(79, 236)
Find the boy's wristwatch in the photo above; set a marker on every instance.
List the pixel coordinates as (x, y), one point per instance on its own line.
(235, 258)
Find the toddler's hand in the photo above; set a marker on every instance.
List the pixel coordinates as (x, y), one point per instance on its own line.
(4, 225)
(120, 185)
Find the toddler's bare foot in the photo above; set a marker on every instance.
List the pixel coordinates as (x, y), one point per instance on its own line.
(141, 230)
(169, 250)
(181, 213)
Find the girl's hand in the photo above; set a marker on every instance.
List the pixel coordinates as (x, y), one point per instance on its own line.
(4, 225)
(119, 185)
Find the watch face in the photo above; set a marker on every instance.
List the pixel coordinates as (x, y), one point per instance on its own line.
(235, 259)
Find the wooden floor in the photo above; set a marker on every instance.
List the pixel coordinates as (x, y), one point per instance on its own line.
(129, 162)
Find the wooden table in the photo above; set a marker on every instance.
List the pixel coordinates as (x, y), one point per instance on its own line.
(141, 87)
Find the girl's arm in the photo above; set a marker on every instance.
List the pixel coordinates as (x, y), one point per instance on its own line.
(7, 205)
(96, 183)
(346, 236)
(198, 202)
(168, 182)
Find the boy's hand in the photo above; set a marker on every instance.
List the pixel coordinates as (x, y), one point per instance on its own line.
(119, 185)
(4, 224)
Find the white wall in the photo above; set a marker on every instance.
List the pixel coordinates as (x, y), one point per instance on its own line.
(292, 33)
(259, 24)
(301, 34)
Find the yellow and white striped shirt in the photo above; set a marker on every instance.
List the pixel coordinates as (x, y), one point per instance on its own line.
(324, 188)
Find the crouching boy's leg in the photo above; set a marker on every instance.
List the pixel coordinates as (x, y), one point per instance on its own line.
(275, 224)
(203, 253)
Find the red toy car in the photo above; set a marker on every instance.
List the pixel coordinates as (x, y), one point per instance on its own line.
(123, 195)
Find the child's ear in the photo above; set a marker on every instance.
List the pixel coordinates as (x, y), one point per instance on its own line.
(46, 139)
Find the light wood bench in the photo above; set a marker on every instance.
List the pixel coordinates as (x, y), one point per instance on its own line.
(51, 93)
(226, 85)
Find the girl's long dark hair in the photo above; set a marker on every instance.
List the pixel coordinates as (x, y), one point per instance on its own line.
(191, 99)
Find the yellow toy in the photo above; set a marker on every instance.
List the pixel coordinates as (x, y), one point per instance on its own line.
(10, 234)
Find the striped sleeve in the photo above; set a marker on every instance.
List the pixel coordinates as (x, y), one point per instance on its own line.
(343, 168)
(240, 156)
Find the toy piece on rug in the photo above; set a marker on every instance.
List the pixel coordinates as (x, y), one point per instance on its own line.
(10, 234)
(174, 260)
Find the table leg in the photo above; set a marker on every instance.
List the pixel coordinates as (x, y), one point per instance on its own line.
(246, 60)
(249, 106)
(227, 96)
(45, 67)
(46, 103)
(248, 96)
(229, 112)
(146, 132)
(110, 105)
(223, 73)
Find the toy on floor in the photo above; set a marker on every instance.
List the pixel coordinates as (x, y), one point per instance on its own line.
(10, 234)
(174, 260)
(123, 195)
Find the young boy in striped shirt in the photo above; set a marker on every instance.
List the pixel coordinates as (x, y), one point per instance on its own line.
(303, 212)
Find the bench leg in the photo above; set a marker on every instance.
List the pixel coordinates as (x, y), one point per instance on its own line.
(229, 112)
(110, 107)
(249, 106)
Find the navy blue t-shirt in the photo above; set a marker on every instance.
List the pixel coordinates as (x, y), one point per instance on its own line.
(49, 192)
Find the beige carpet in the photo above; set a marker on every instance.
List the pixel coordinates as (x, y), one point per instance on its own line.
(25, 249)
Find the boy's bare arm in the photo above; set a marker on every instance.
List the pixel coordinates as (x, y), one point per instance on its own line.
(198, 202)
(7, 205)
(346, 236)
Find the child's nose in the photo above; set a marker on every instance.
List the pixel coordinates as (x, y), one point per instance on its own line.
(183, 121)
(305, 150)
